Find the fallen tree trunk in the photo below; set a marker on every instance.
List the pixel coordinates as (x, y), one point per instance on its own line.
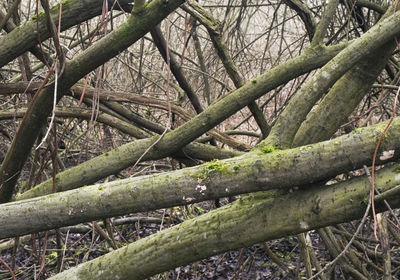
(241, 224)
(137, 25)
(126, 155)
(254, 171)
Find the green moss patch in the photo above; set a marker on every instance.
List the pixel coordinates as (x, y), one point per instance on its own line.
(268, 149)
(214, 165)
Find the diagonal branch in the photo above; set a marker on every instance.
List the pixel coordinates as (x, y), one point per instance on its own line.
(128, 33)
(214, 30)
(305, 14)
(300, 105)
(326, 19)
(23, 38)
(126, 155)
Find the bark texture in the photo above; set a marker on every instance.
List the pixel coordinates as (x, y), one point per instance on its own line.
(247, 222)
(26, 36)
(106, 48)
(254, 171)
(300, 105)
(124, 156)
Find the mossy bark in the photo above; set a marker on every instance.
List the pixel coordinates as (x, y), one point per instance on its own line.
(254, 171)
(193, 150)
(300, 105)
(123, 157)
(343, 98)
(106, 48)
(247, 222)
(25, 36)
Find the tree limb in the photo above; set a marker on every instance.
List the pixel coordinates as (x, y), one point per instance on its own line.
(254, 171)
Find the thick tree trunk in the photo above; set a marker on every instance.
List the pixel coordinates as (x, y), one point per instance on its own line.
(132, 30)
(300, 105)
(271, 211)
(247, 222)
(343, 97)
(254, 171)
(125, 156)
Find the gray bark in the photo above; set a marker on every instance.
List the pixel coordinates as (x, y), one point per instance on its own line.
(254, 171)
(247, 222)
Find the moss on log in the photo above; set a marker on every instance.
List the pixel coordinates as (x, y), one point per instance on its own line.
(254, 171)
(241, 224)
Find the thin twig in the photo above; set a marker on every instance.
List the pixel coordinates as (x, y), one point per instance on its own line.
(168, 101)
(374, 159)
(364, 218)
(9, 268)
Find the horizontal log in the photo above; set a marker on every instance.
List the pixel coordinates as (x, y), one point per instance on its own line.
(240, 224)
(255, 171)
